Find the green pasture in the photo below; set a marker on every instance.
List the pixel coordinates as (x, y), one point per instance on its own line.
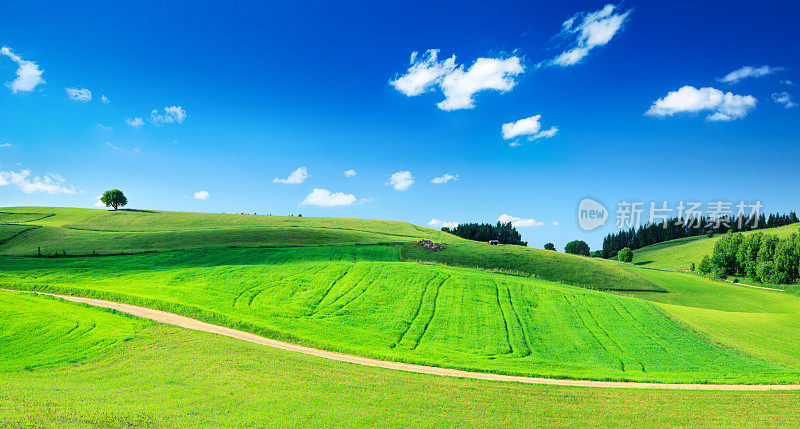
(362, 300)
(152, 375)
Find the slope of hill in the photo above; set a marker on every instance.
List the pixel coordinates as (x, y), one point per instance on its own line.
(545, 264)
(762, 323)
(362, 300)
(70, 231)
(157, 375)
(680, 254)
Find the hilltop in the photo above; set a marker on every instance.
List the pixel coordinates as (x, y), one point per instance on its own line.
(54, 231)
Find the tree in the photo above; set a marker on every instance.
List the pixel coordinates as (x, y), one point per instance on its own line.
(625, 255)
(577, 247)
(114, 198)
(549, 246)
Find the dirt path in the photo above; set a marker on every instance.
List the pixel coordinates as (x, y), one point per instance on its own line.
(185, 322)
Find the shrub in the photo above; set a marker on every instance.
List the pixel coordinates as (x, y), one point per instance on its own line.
(625, 254)
(705, 265)
(549, 246)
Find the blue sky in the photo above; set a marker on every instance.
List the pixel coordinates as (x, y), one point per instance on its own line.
(247, 93)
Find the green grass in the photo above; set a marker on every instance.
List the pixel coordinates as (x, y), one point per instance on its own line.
(10, 231)
(360, 299)
(761, 323)
(680, 254)
(545, 264)
(163, 376)
(7, 217)
(59, 231)
(91, 231)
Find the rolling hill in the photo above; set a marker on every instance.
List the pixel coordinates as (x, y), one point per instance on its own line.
(69, 231)
(679, 254)
(362, 287)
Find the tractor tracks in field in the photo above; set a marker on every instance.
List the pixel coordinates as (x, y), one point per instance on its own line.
(193, 324)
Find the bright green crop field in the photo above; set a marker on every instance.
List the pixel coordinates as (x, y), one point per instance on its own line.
(360, 287)
(762, 323)
(362, 300)
(680, 254)
(90, 231)
(152, 375)
(545, 264)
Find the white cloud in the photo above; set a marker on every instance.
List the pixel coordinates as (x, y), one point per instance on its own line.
(530, 127)
(5, 144)
(724, 106)
(518, 222)
(783, 98)
(436, 223)
(486, 73)
(324, 198)
(295, 177)
(104, 127)
(459, 86)
(555, 223)
(787, 82)
(424, 73)
(29, 75)
(401, 180)
(104, 99)
(170, 115)
(590, 30)
(79, 94)
(134, 122)
(112, 146)
(349, 173)
(444, 178)
(50, 183)
(748, 71)
(201, 195)
(98, 203)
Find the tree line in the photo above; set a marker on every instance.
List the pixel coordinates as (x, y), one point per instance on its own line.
(671, 229)
(502, 232)
(759, 256)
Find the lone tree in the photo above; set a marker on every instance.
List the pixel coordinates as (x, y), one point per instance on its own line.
(577, 247)
(549, 246)
(625, 254)
(114, 198)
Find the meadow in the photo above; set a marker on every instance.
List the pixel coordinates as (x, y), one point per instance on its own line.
(549, 265)
(761, 323)
(362, 300)
(361, 287)
(156, 375)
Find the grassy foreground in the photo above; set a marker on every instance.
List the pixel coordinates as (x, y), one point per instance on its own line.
(162, 376)
(362, 300)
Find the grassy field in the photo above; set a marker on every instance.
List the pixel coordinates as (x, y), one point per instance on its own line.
(361, 299)
(355, 286)
(759, 322)
(680, 254)
(69, 231)
(545, 264)
(162, 376)
(91, 231)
